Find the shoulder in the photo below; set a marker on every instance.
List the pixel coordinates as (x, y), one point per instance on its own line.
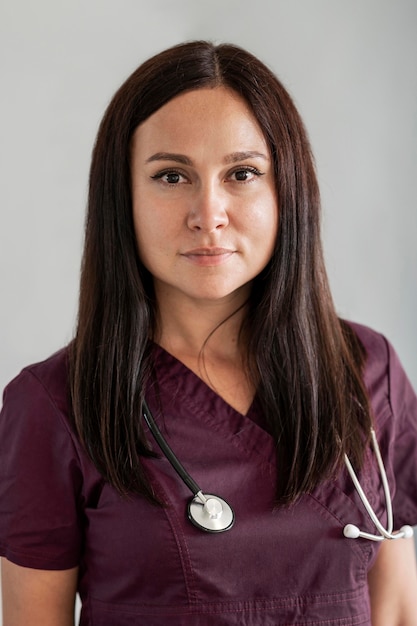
(376, 364)
(374, 343)
(49, 376)
(389, 388)
(52, 373)
(37, 400)
(382, 360)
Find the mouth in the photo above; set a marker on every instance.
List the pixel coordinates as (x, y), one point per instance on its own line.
(208, 251)
(208, 256)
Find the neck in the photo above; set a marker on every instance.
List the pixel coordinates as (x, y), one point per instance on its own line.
(191, 327)
(204, 335)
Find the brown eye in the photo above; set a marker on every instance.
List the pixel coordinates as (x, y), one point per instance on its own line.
(242, 175)
(172, 178)
(245, 174)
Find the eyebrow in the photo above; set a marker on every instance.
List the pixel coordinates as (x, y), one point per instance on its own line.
(234, 157)
(170, 156)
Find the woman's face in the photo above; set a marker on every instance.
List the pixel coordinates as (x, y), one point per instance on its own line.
(204, 203)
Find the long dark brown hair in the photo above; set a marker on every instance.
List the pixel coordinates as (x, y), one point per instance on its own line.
(307, 363)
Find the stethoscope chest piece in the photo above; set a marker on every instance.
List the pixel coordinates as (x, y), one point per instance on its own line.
(214, 515)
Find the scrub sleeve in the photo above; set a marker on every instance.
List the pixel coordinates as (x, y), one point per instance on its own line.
(403, 444)
(394, 405)
(41, 477)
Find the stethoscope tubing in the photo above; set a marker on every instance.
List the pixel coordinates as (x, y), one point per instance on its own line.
(351, 531)
(167, 451)
(386, 532)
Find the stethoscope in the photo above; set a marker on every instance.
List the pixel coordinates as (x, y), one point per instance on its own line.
(206, 511)
(213, 514)
(350, 530)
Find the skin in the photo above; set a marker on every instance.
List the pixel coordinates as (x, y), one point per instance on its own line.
(37, 597)
(204, 202)
(205, 229)
(206, 219)
(393, 585)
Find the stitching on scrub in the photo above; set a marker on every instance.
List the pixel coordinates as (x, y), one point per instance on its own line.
(36, 560)
(370, 476)
(171, 516)
(211, 420)
(388, 372)
(59, 413)
(371, 483)
(319, 599)
(408, 511)
(256, 606)
(363, 551)
(206, 416)
(81, 497)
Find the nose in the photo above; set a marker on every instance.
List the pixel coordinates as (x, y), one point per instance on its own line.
(208, 211)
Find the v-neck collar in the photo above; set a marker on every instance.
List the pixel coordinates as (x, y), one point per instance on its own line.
(181, 382)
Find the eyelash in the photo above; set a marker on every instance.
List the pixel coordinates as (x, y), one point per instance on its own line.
(247, 168)
(160, 175)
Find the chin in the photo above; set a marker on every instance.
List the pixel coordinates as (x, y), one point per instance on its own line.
(216, 293)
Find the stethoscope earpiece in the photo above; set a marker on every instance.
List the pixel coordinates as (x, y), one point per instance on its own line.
(407, 531)
(351, 531)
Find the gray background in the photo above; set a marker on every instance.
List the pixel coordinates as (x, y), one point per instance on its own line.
(351, 68)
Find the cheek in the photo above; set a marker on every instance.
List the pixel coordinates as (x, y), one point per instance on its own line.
(140, 227)
(155, 233)
(144, 233)
(265, 223)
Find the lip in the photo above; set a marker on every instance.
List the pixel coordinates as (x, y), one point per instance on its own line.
(208, 256)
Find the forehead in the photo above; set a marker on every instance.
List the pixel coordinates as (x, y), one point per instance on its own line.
(205, 115)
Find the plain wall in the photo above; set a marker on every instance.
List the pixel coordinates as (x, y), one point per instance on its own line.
(351, 68)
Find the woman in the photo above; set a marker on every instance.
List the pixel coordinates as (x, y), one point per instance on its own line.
(204, 303)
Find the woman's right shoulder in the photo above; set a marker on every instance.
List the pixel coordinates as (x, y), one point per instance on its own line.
(39, 398)
(51, 373)
(44, 378)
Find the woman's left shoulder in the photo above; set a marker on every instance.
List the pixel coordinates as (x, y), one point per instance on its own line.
(375, 343)
(381, 357)
(384, 375)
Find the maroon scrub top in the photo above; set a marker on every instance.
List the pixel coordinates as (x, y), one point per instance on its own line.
(143, 564)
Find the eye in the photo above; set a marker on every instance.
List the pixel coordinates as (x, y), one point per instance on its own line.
(244, 174)
(170, 177)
